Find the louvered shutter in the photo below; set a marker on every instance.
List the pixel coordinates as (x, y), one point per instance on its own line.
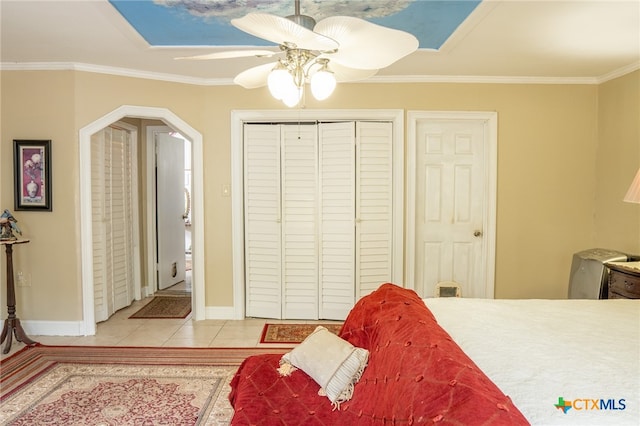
(112, 224)
(374, 196)
(263, 260)
(299, 173)
(337, 211)
(121, 214)
(98, 226)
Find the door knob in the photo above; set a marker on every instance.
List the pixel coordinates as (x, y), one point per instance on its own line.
(477, 233)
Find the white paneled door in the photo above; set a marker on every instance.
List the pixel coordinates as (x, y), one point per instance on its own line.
(450, 205)
(170, 210)
(318, 217)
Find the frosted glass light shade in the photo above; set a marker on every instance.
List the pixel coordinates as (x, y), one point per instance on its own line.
(280, 81)
(292, 96)
(323, 83)
(633, 194)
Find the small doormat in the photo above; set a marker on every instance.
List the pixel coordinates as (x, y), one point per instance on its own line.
(292, 333)
(165, 307)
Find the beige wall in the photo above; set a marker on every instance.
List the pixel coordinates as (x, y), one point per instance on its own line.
(551, 163)
(617, 224)
(37, 105)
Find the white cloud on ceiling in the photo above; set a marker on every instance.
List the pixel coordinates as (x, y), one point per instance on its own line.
(318, 9)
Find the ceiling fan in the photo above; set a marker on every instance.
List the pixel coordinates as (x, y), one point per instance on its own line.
(338, 48)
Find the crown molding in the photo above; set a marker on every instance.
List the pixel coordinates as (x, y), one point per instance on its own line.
(123, 72)
(619, 72)
(395, 79)
(481, 79)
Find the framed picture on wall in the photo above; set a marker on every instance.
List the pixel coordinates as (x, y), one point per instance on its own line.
(32, 174)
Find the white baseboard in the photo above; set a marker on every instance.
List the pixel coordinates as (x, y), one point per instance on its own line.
(52, 328)
(146, 291)
(76, 328)
(221, 313)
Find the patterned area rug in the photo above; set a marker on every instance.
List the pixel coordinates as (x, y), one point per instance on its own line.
(292, 333)
(165, 307)
(79, 385)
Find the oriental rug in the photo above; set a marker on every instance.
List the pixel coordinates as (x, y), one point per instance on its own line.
(82, 385)
(165, 307)
(292, 333)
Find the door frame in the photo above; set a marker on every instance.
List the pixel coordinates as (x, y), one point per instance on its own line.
(88, 326)
(239, 117)
(490, 147)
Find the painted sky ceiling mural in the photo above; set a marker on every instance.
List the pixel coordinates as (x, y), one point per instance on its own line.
(207, 23)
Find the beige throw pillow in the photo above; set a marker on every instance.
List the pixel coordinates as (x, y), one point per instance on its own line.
(335, 364)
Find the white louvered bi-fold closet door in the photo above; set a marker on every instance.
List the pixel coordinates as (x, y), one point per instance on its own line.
(262, 210)
(318, 221)
(356, 220)
(299, 183)
(281, 250)
(337, 219)
(112, 230)
(374, 207)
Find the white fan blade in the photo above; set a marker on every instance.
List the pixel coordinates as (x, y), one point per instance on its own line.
(255, 77)
(283, 31)
(231, 54)
(343, 73)
(365, 45)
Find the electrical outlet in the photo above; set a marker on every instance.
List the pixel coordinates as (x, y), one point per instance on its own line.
(23, 280)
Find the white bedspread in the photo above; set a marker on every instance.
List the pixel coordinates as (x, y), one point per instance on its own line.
(538, 351)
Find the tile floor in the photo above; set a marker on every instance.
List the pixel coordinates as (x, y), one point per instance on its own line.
(119, 330)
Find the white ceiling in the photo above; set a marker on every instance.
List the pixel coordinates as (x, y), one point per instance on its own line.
(573, 41)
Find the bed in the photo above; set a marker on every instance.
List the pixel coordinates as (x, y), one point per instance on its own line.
(459, 361)
(538, 351)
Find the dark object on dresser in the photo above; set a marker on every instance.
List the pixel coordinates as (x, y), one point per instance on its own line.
(624, 282)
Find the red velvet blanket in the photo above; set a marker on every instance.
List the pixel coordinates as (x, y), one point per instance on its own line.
(416, 374)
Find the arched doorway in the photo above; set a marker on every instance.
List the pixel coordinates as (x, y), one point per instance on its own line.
(173, 121)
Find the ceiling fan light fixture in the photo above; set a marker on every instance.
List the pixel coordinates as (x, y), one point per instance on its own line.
(292, 96)
(323, 83)
(280, 81)
(356, 48)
